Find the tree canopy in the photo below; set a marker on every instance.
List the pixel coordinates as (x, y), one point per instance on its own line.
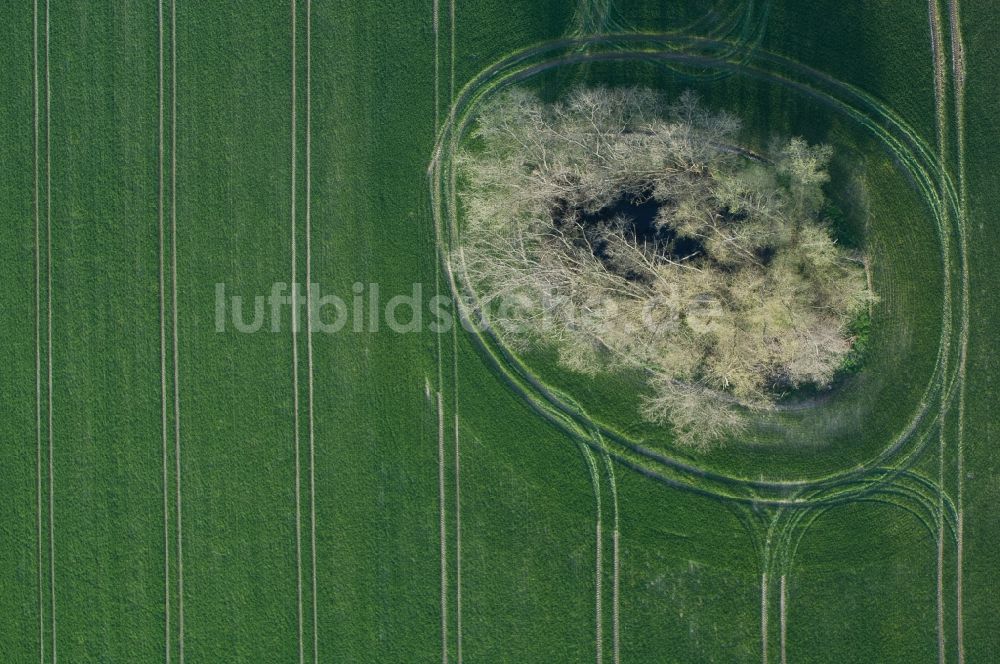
(627, 231)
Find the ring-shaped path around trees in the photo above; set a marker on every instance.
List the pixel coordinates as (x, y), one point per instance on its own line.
(932, 181)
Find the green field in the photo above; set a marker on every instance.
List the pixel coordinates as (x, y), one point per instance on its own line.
(175, 493)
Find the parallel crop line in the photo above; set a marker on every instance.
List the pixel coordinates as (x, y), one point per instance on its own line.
(599, 590)
(451, 95)
(958, 71)
(615, 584)
(615, 593)
(763, 616)
(176, 353)
(443, 531)
(435, 18)
(295, 357)
(163, 349)
(937, 54)
(309, 344)
(48, 306)
(437, 63)
(458, 454)
(936, 37)
(38, 348)
(595, 481)
(458, 532)
(784, 630)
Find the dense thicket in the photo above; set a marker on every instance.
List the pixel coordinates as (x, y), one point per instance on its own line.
(629, 232)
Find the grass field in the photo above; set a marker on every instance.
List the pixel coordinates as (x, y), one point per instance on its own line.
(175, 493)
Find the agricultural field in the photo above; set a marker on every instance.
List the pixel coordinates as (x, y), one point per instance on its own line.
(232, 429)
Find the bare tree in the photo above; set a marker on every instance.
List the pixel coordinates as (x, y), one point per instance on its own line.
(725, 288)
